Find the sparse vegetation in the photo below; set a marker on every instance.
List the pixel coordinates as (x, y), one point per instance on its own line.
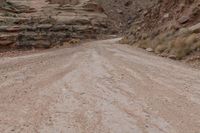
(175, 46)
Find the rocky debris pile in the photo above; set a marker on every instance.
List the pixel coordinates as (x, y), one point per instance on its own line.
(164, 16)
(25, 25)
(169, 28)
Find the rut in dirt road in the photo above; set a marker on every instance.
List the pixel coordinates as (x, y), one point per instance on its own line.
(98, 87)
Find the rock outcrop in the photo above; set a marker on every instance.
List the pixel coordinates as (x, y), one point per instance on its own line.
(124, 12)
(41, 24)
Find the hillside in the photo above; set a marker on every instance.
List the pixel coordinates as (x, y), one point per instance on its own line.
(169, 28)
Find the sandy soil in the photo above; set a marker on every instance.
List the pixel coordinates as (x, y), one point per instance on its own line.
(98, 87)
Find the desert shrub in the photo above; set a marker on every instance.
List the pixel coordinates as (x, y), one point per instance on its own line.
(195, 46)
(74, 41)
(172, 44)
(144, 44)
(161, 48)
(191, 39)
(181, 46)
(124, 40)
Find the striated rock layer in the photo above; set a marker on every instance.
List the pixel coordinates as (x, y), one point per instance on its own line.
(41, 24)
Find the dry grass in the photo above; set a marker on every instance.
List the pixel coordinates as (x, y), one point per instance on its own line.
(169, 44)
(124, 40)
(160, 49)
(183, 46)
(74, 41)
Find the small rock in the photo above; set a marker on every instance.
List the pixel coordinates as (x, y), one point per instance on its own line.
(149, 49)
(166, 15)
(138, 28)
(183, 19)
(183, 31)
(139, 10)
(119, 11)
(145, 12)
(172, 56)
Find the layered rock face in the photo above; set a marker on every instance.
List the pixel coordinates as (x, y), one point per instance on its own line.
(124, 12)
(42, 24)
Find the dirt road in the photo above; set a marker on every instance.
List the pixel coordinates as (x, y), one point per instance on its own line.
(98, 87)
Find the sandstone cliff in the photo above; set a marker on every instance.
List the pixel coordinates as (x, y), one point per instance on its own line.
(43, 24)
